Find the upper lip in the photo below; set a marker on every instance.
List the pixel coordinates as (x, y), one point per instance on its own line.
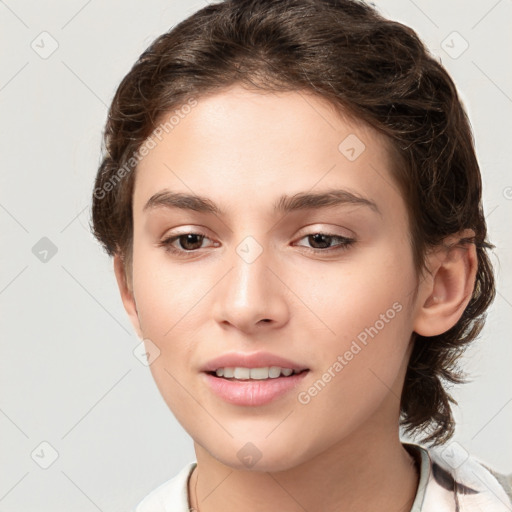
(253, 360)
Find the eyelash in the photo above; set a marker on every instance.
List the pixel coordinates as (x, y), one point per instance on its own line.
(343, 246)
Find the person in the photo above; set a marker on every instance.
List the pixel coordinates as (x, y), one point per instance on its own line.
(290, 194)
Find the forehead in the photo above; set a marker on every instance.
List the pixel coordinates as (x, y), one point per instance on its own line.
(242, 148)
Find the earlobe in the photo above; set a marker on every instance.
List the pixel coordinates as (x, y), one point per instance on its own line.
(126, 291)
(447, 291)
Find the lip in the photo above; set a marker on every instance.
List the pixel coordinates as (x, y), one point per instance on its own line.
(253, 360)
(252, 392)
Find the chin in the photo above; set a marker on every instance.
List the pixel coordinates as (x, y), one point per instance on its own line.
(249, 457)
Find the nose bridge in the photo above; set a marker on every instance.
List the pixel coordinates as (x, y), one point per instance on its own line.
(250, 292)
(250, 275)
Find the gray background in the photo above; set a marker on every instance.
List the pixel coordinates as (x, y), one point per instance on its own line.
(68, 373)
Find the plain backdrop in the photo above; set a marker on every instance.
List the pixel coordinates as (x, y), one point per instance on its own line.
(82, 425)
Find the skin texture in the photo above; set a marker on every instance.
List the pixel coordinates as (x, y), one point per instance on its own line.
(243, 149)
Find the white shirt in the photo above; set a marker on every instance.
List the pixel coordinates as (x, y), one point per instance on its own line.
(450, 481)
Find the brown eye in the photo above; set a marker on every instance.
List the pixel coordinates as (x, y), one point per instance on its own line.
(320, 241)
(184, 243)
(323, 242)
(190, 241)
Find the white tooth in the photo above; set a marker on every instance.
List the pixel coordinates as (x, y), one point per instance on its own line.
(228, 372)
(242, 373)
(259, 373)
(274, 372)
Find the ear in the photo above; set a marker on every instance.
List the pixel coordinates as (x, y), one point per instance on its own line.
(125, 288)
(446, 290)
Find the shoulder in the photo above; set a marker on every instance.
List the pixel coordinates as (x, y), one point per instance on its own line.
(171, 496)
(457, 480)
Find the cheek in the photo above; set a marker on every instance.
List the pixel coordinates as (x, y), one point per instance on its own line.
(168, 318)
(164, 294)
(365, 314)
(348, 297)
(360, 370)
(170, 310)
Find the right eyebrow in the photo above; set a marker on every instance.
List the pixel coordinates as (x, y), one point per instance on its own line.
(168, 199)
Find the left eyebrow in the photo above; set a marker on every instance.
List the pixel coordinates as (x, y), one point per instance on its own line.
(328, 198)
(285, 204)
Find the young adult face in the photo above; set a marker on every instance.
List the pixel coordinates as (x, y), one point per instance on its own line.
(253, 281)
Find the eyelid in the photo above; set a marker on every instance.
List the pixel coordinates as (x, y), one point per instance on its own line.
(311, 229)
(185, 231)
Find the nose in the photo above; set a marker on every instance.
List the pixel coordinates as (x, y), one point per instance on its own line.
(252, 295)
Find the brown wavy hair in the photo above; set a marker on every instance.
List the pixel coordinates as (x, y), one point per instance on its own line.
(364, 65)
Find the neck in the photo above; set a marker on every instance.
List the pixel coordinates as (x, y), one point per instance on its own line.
(364, 473)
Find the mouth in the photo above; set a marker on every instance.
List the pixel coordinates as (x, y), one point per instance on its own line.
(255, 365)
(239, 373)
(254, 387)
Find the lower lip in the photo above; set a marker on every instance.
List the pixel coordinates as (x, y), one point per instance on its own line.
(253, 392)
